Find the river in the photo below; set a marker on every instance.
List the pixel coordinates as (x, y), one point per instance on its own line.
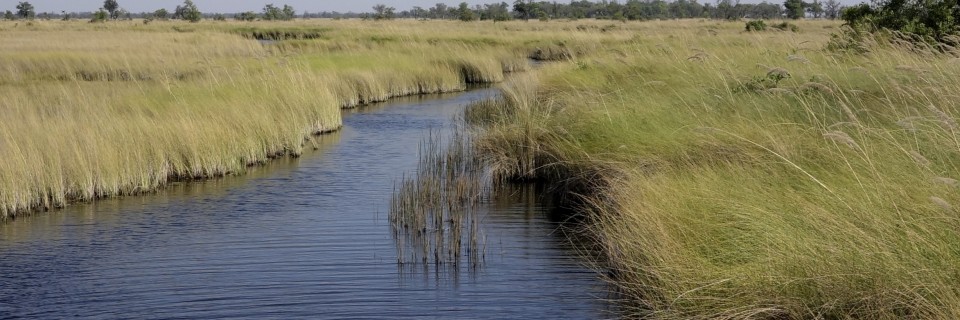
(301, 237)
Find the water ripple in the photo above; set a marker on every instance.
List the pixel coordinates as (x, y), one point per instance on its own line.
(298, 238)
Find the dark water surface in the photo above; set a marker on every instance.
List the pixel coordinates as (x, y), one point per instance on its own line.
(298, 238)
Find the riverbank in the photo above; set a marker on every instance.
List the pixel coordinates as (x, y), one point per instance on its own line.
(302, 237)
(743, 174)
(122, 108)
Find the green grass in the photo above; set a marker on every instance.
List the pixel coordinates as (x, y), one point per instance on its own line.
(726, 193)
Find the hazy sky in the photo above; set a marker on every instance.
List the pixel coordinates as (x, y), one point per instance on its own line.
(230, 6)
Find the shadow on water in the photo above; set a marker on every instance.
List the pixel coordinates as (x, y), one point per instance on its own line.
(306, 237)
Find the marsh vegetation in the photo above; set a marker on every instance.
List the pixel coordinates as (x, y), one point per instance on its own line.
(434, 213)
(736, 174)
(96, 110)
(798, 169)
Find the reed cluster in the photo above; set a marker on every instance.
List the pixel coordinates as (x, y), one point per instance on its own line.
(434, 214)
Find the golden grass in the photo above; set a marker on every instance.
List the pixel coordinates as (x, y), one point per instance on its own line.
(96, 110)
(755, 175)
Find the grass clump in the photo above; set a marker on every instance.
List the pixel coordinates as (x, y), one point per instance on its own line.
(756, 25)
(786, 26)
(281, 33)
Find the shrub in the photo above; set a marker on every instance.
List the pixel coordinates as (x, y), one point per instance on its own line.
(246, 16)
(99, 16)
(786, 26)
(756, 25)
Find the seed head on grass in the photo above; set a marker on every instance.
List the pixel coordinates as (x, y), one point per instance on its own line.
(919, 159)
(946, 181)
(910, 69)
(943, 204)
(841, 137)
(856, 92)
(909, 123)
(698, 57)
(944, 118)
(797, 58)
(860, 70)
(817, 87)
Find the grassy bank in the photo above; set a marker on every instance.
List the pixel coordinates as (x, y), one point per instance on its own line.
(752, 175)
(103, 109)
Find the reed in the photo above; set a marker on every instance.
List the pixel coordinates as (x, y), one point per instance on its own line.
(435, 214)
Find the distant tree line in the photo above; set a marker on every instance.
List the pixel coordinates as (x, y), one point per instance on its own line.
(519, 9)
(583, 9)
(615, 10)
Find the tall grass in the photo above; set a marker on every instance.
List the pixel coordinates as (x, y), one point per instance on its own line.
(80, 141)
(757, 175)
(97, 110)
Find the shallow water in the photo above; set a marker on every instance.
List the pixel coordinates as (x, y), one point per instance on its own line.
(297, 238)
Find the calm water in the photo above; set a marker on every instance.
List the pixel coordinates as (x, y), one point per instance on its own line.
(298, 238)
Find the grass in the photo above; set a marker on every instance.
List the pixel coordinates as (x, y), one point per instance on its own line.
(434, 213)
(728, 174)
(124, 107)
(751, 175)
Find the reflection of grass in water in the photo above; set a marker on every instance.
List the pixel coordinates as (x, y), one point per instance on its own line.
(434, 215)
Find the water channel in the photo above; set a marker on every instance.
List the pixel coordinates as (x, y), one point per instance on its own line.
(300, 237)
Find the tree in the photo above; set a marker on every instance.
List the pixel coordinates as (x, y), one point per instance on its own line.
(289, 13)
(99, 16)
(815, 8)
(161, 14)
(418, 12)
(383, 12)
(521, 9)
(831, 9)
(794, 8)
(188, 11)
(502, 12)
(111, 6)
(9, 15)
(25, 10)
(439, 11)
(494, 11)
(246, 16)
(464, 13)
(271, 12)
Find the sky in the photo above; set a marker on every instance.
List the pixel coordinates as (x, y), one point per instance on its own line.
(233, 6)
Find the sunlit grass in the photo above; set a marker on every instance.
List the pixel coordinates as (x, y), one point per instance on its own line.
(97, 110)
(754, 175)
